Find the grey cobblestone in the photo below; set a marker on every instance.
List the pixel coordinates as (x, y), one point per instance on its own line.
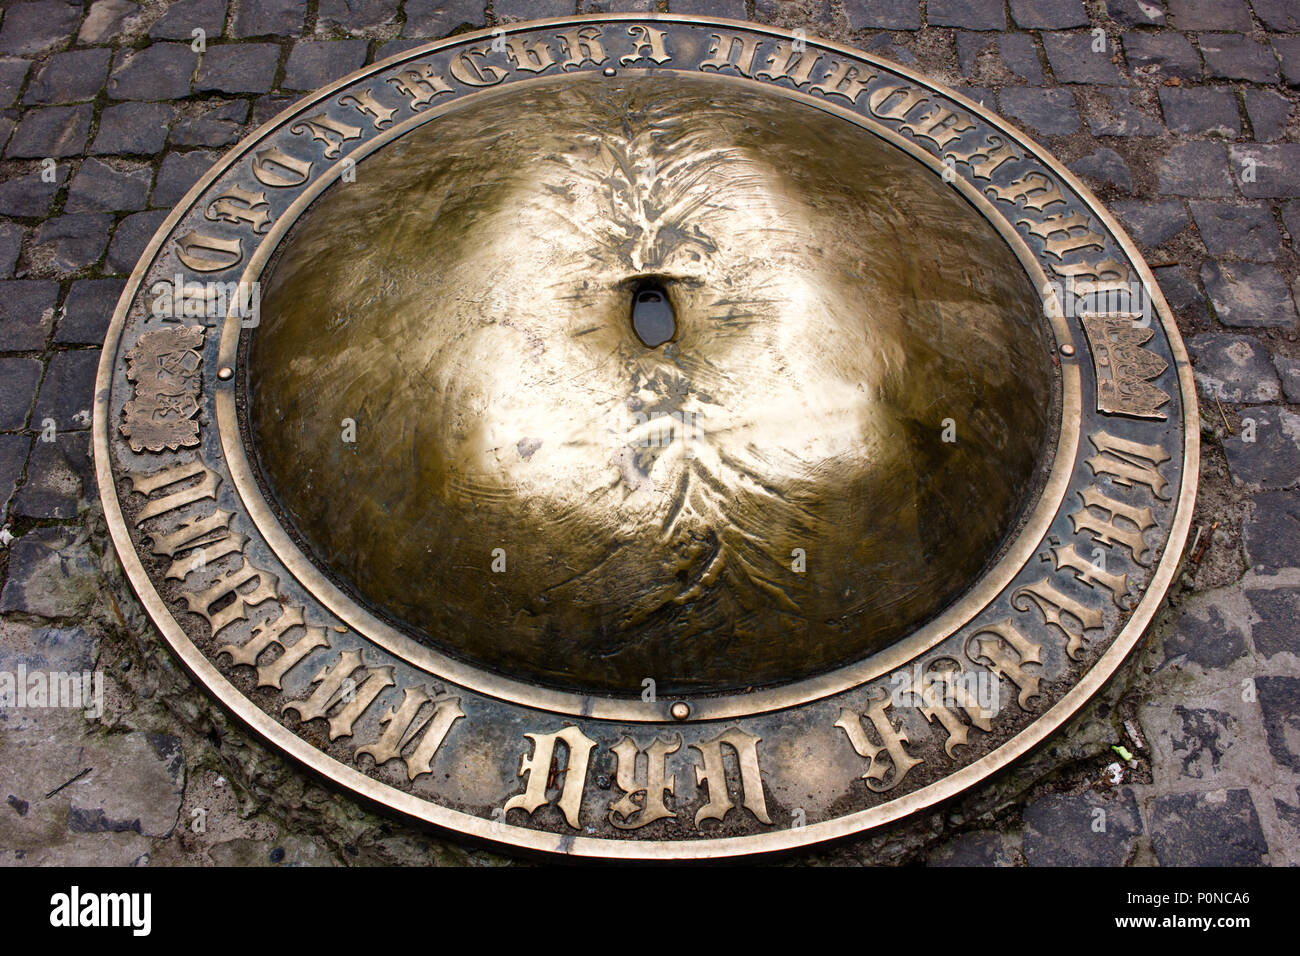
(51, 131)
(130, 238)
(981, 848)
(35, 28)
(31, 194)
(13, 458)
(1276, 169)
(1162, 54)
(1279, 701)
(437, 18)
(106, 19)
(1045, 111)
(1234, 368)
(267, 17)
(1288, 54)
(1214, 828)
(631, 6)
(72, 242)
(26, 313)
(132, 128)
(99, 187)
(1289, 370)
(48, 572)
(1269, 114)
(862, 14)
(1195, 169)
(1105, 166)
(87, 311)
(1014, 53)
(1152, 223)
(68, 391)
(1048, 14)
(1248, 295)
(1271, 535)
(219, 124)
(1204, 738)
(1200, 110)
(268, 106)
(185, 16)
(1136, 13)
(1278, 610)
(355, 16)
(69, 77)
(1112, 113)
(1085, 829)
(162, 71)
(1235, 57)
(13, 72)
(1280, 15)
(179, 171)
(1270, 457)
(532, 9)
(314, 63)
(1203, 636)
(1209, 15)
(238, 68)
(11, 237)
(1073, 60)
(970, 14)
(1239, 232)
(18, 379)
(58, 474)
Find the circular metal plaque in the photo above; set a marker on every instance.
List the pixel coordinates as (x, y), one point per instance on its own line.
(936, 487)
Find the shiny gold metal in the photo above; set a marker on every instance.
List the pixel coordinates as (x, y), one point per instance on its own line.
(846, 423)
(1124, 368)
(762, 769)
(163, 369)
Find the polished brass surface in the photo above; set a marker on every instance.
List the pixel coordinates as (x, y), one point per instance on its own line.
(502, 756)
(532, 487)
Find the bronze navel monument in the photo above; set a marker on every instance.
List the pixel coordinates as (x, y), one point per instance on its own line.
(646, 437)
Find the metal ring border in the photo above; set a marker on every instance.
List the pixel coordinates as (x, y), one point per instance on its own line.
(530, 839)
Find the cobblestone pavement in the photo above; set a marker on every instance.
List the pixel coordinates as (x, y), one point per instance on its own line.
(107, 116)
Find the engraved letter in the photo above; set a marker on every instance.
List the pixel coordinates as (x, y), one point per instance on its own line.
(713, 774)
(469, 71)
(1129, 463)
(997, 652)
(645, 38)
(267, 163)
(421, 84)
(582, 46)
(208, 253)
(237, 205)
(401, 727)
(658, 783)
(892, 739)
(325, 129)
(538, 770)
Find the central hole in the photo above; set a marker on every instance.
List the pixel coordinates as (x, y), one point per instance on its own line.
(652, 316)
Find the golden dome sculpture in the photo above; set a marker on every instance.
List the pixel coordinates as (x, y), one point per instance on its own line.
(650, 378)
